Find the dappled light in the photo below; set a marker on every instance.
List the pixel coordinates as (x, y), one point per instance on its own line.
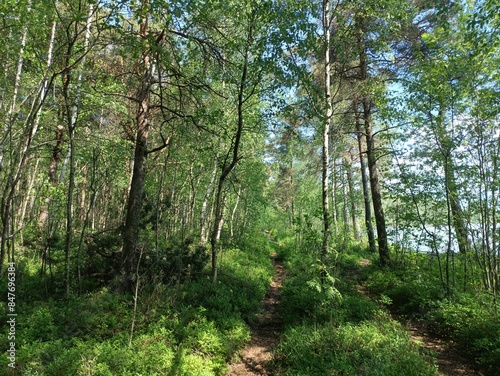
(232, 188)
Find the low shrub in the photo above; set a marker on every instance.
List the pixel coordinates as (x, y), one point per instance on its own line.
(474, 329)
(380, 347)
(380, 281)
(189, 328)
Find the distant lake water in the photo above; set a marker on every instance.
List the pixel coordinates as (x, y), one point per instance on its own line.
(416, 239)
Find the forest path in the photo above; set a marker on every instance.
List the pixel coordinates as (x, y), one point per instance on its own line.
(255, 358)
(448, 360)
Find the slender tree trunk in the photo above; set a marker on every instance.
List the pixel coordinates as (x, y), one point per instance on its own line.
(87, 212)
(383, 248)
(192, 199)
(325, 170)
(366, 187)
(219, 207)
(292, 192)
(8, 191)
(72, 106)
(233, 213)
(159, 200)
(335, 210)
(204, 218)
(217, 226)
(445, 146)
(20, 157)
(352, 197)
(17, 83)
(495, 154)
(29, 193)
(457, 213)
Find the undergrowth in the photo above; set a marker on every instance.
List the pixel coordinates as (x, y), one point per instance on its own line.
(347, 335)
(187, 328)
(465, 318)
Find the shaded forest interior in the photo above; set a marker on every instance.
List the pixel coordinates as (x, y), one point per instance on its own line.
(154, 154)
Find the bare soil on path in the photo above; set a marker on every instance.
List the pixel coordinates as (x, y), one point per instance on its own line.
(255, 358)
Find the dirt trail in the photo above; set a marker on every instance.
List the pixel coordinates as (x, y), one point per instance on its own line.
(449, 362)
(255, 357)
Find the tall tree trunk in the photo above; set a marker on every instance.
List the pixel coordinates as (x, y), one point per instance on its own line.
(325, 170)
(364, 181)
(351, 195)
(233, 213)
(451, 185)
(8, 191)
(17, 83)
(46, 221)
(20, 156)
(134, 204)
(226, 170)
(72, 108)
(335, 212)
(292, 193)
(383, 248)
(21, 220)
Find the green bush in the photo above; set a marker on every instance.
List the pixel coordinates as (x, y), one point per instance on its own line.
(414, 298)
(356, 308)
(380, 347)
(474, 329)
(189, 328)
(299, 302)
(380, 281)
(178, 261)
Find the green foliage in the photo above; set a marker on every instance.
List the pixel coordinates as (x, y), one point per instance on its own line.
(380, 281)
(356, 308)
(235, 293)
(190, 328)
(474, 329)
(379, 347)
(178, 261)
(305, 297)
(413, 296)
(285, 248)
(463, 318)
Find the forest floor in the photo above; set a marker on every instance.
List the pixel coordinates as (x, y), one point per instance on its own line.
(448, 360)
(256, 358)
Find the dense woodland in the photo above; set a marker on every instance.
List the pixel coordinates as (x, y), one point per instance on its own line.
(154, 153)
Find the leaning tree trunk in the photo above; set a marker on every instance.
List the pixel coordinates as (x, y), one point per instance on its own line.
(20, 157)
(4, 137)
